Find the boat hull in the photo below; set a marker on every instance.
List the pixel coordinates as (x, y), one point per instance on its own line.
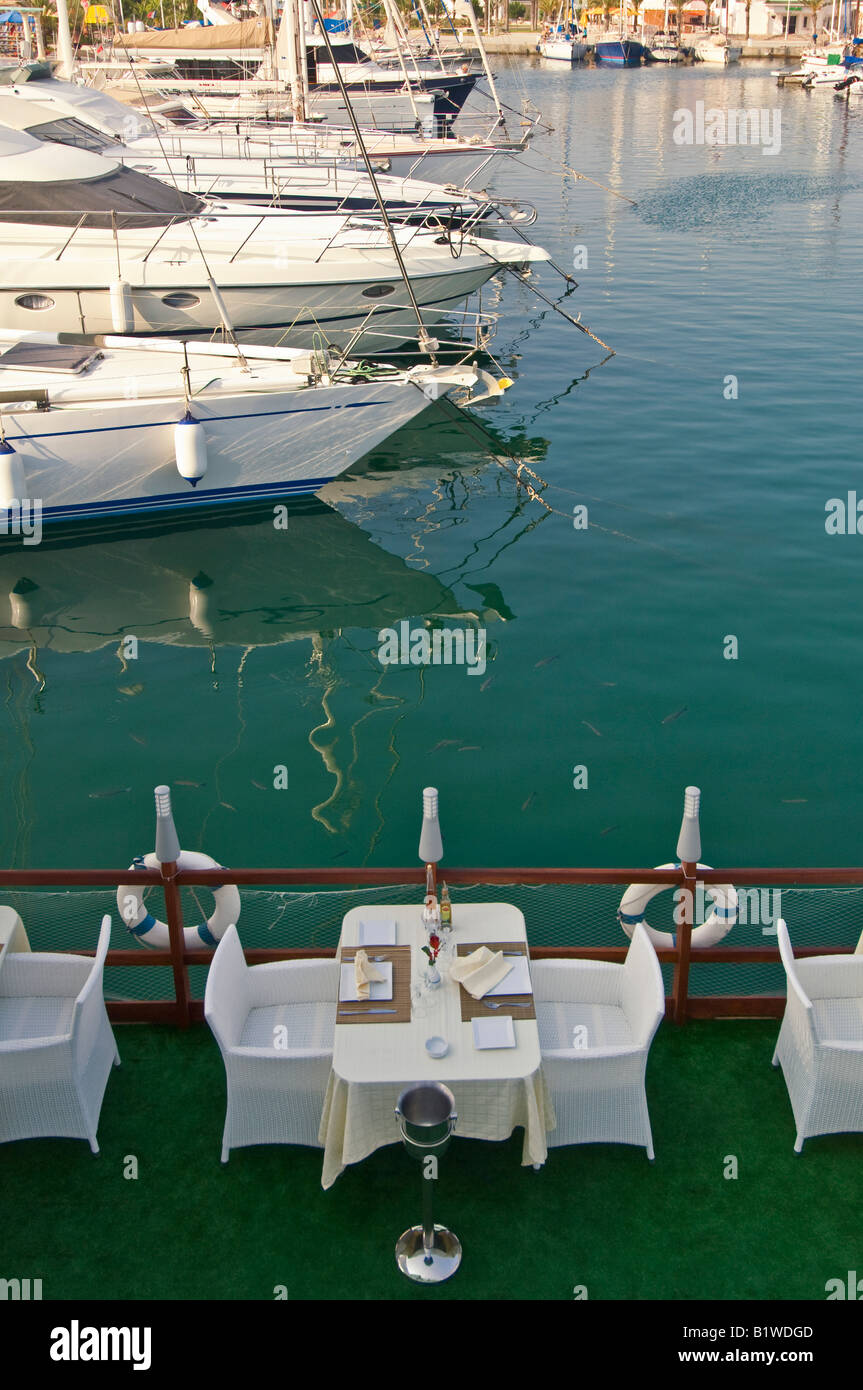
(718, 54)
(620, 53)
(563, 50)
(269, 314)
(119, 458)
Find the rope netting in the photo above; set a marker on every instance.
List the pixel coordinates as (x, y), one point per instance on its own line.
(556, 915)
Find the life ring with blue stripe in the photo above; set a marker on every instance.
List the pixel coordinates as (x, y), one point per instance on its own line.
(151, 932)
(713, 929)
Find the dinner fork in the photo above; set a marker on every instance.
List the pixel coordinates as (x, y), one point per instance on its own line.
(502, 1005)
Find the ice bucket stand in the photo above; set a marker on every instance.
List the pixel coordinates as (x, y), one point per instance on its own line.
(426, 1116)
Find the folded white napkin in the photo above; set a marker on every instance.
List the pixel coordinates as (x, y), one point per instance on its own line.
(480, 971)
(365, 974)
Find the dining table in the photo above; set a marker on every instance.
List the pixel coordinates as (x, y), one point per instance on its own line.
(380, 1047)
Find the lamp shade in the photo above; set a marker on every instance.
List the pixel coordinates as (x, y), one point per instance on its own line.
(167, 843)
(689, 840)
(431, 845)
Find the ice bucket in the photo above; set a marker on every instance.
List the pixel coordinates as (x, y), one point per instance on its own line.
(427, 1118)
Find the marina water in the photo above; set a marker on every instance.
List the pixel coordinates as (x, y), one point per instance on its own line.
(705, 451)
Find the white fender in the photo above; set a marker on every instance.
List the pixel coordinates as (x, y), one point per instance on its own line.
(11, 478)
(190, 449)
(148, 929)
(122, 313)
(713, 929)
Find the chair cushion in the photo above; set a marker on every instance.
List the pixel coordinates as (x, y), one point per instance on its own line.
(838, 1019)
(37, 1016)
(606, 1025)
(306, 1025)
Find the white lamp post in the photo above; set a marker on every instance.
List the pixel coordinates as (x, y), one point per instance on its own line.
(431, 845)
(167, 842)
(689, 840)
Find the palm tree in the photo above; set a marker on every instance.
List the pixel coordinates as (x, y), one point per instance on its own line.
(608, 9)
(748, 4)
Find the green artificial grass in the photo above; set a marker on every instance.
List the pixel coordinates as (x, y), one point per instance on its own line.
(598, 1216)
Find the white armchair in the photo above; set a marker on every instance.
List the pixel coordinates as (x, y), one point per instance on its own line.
(596, 1023)
(820, 1044)
(274, 1025)
(56, 1044)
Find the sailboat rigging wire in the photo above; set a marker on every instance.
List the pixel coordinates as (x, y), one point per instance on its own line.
(566, 169)
(576, 323)
(220, 306)
(422, 337)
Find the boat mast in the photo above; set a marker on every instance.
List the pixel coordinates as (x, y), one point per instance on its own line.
(426, 343)
(429, 27)
(288, 31)
(390, 10)
(64, 41)
(468, 10)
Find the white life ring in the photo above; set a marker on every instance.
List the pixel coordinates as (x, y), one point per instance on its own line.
(149, 930)
(717, 925)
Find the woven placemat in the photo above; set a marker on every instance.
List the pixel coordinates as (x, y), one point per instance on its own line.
(360, 1010)
(475, 1008)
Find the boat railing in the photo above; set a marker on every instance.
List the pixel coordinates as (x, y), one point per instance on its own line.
(570, 914)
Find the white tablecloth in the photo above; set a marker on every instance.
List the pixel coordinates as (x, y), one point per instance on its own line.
(495, 1089)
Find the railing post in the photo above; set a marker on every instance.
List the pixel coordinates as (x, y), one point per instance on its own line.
(680, 987)
(174, 913)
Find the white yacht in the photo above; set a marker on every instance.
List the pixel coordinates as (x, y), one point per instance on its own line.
(664, 48)
(89, 246)
(107, 425)
(246, 60)
(191, 131)
(717, 48)
(333, 188)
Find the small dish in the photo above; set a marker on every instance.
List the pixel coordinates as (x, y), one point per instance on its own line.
(437, 1047)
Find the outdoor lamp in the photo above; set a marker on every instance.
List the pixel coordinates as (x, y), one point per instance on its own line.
(167, 843)
(431, 845)
(689, 840)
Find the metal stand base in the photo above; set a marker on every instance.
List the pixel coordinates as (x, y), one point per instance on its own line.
(428, 1265)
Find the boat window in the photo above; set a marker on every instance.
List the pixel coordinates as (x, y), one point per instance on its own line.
(343, 53)
(135, 200)
(69, 131)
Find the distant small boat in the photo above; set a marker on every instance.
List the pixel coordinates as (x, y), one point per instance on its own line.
(715, 48)
(831, 55)
(824, 77)
(620, 52)
(565, 42)
(563, 48)
(664, 48)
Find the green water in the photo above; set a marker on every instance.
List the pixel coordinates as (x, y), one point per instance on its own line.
(706, 521)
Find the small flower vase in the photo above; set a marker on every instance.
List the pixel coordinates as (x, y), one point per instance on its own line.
(433, 975)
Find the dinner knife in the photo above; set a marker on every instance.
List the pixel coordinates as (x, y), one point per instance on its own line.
(360, 1013)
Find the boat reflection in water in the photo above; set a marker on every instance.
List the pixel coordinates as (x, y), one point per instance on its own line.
(229, 588)
(268, 574)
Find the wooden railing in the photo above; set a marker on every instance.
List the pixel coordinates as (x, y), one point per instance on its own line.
(183, 1009)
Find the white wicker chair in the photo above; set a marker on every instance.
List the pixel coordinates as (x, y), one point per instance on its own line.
(596, 1023)
(820, 1045)
(274, 1025)
(56, 1044)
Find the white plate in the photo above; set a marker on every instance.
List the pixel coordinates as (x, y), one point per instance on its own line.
(517, 981)
(493, 1032)
(378, 989)
(380, 931)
